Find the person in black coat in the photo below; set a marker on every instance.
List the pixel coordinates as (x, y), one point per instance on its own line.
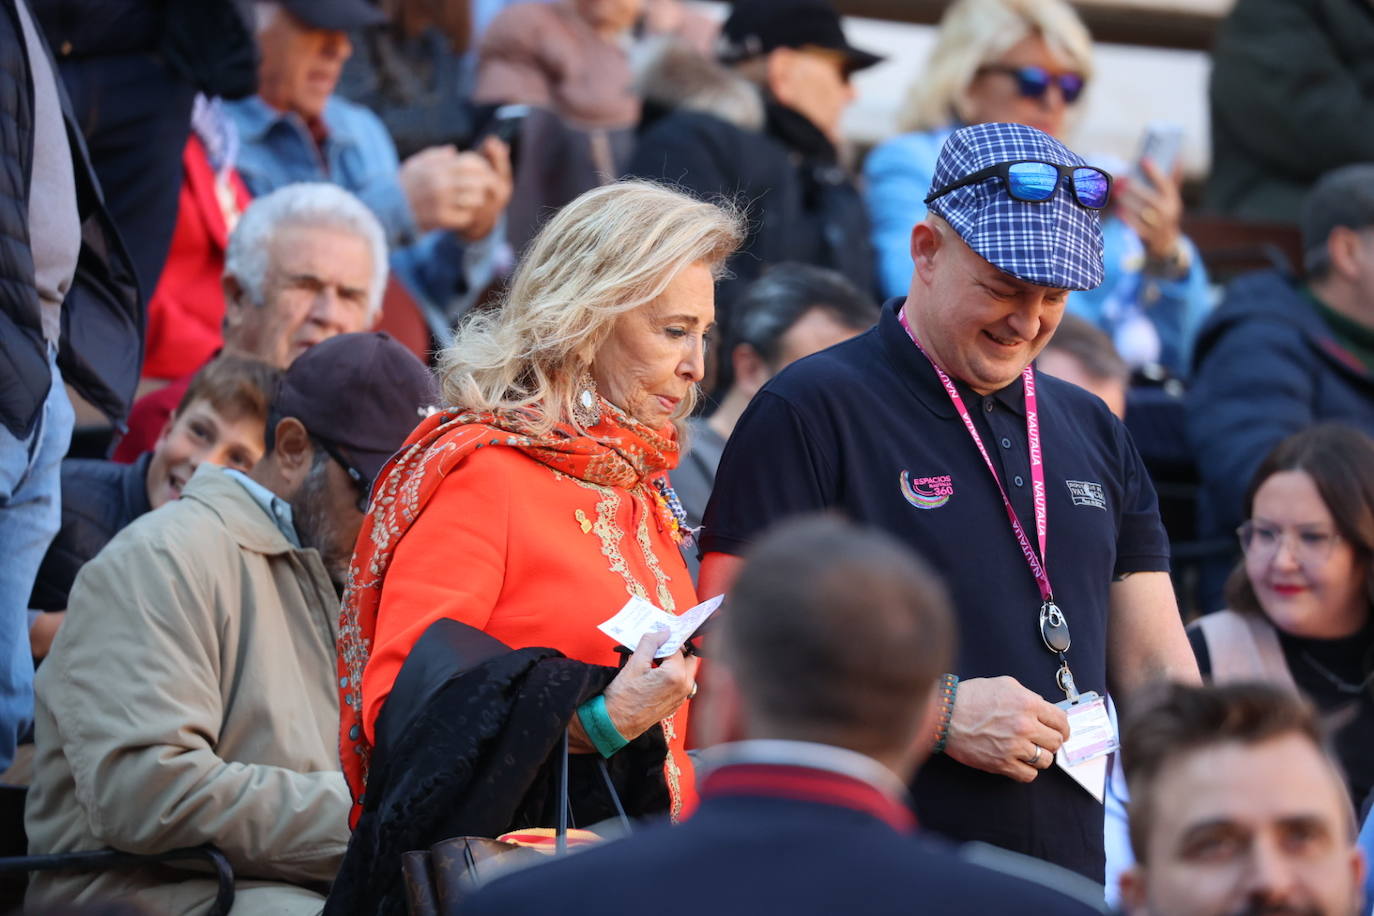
(802, 203)
(1279, 355)
(822, 688)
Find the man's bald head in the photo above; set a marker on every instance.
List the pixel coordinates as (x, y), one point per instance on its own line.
(836, 634)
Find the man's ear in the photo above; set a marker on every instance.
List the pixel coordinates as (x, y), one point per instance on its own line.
(1132, 887)
(751, 372)
(926, 242)
(235, 297)
(1343, 248)
(292, 451)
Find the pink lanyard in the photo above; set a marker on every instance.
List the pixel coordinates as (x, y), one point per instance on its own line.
(1054, 628)
(1037, 468)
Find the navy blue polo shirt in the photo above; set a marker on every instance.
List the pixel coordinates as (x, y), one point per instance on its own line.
(866, 427)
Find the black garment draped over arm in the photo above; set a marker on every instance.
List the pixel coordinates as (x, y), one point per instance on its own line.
(468, 744)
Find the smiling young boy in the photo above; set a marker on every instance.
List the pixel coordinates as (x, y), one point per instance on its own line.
(220, 419)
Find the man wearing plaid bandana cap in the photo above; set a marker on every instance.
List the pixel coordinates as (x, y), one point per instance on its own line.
(869, 427)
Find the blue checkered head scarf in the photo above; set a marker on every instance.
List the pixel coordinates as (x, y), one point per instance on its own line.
(1057, 243)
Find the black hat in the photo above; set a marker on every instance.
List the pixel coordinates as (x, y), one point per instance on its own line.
(362, 393)
(758, 26)
(335, 15)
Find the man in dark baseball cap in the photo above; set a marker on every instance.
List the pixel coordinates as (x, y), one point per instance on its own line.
(785, 165)
(199, 660)
(349, 403)
(756, 27)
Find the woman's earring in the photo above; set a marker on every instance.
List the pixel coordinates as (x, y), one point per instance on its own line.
(586, 402)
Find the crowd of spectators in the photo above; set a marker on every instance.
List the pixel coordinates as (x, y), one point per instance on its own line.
(360, 359)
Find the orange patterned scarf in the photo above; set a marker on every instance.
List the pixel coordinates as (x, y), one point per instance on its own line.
(618, 452)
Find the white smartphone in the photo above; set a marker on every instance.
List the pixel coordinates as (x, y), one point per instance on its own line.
(1161, 144)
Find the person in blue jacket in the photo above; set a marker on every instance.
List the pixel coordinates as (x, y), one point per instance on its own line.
(1028, 61)
(1279, 355)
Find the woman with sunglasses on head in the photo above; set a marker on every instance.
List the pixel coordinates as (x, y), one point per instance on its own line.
(1028, 62)
(1300, 599)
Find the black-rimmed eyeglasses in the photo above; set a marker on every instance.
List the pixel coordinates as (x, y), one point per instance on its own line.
(360, 480)
(1034, 182)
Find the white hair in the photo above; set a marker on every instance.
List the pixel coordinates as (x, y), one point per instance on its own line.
(305, 204)
(610, 251)
(975, 33)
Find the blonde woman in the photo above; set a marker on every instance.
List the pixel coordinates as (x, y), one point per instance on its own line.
(537, 503)
(1029, 62)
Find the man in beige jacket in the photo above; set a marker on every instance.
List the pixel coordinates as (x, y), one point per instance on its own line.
(191, 695)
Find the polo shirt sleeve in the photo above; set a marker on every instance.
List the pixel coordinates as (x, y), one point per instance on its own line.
(772, 468)
(1141, 542)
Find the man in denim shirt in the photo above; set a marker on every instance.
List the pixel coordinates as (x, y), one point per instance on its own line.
(440, 207)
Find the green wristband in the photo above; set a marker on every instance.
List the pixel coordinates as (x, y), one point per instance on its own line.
(599, 727)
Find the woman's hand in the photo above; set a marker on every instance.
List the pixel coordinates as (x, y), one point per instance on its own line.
(641, 695)
(1154, 210)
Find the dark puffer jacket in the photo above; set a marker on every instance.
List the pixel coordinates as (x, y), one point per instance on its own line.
(99, 498)
(801, 203)
(1265, 366)
(101, 346)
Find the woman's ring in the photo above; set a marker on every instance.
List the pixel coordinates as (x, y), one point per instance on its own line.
(694, 693)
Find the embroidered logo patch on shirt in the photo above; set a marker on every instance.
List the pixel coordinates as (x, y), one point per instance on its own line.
(1086, 493)
(926, 492)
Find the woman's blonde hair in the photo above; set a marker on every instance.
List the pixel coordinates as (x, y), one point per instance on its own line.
(608, 252)
(973, 34)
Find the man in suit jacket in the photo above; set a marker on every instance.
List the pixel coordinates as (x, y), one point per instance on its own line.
(819, 704)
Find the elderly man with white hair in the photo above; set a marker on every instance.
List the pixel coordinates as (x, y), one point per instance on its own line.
(303, 264)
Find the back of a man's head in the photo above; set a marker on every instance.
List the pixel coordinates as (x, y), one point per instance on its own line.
(836, 634)
(774, 303)
(1341, 202)
(1236, 807)
(1080, 352)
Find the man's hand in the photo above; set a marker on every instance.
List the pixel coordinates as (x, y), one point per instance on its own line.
(998, 724)
(44, 631)
(641, 694)
(463, 193)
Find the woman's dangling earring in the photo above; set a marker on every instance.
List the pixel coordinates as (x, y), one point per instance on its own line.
(586, 401)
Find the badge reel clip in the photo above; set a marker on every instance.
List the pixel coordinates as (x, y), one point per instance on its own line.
(1054, 630)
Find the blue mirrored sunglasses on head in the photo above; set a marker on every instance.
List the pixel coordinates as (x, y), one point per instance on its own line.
(1035, 182)
(1033, 82)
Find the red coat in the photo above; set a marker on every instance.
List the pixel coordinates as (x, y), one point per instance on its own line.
(186, 311)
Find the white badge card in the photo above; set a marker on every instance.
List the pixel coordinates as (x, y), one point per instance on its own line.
(1091, 732)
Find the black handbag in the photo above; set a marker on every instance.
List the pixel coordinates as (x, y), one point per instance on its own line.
(438, 879)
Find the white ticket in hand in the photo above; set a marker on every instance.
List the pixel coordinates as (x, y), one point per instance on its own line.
(638, 617)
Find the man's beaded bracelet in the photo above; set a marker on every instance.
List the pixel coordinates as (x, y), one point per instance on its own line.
(946, 690)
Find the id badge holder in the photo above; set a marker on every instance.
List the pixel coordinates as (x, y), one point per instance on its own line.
(1091, 732)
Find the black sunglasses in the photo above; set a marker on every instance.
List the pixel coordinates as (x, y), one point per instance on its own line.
(1033, 82)
(1034, 182)
(360, 480)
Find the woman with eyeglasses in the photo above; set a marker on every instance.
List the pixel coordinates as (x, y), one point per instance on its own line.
(1028, 62)
(1300, 599)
